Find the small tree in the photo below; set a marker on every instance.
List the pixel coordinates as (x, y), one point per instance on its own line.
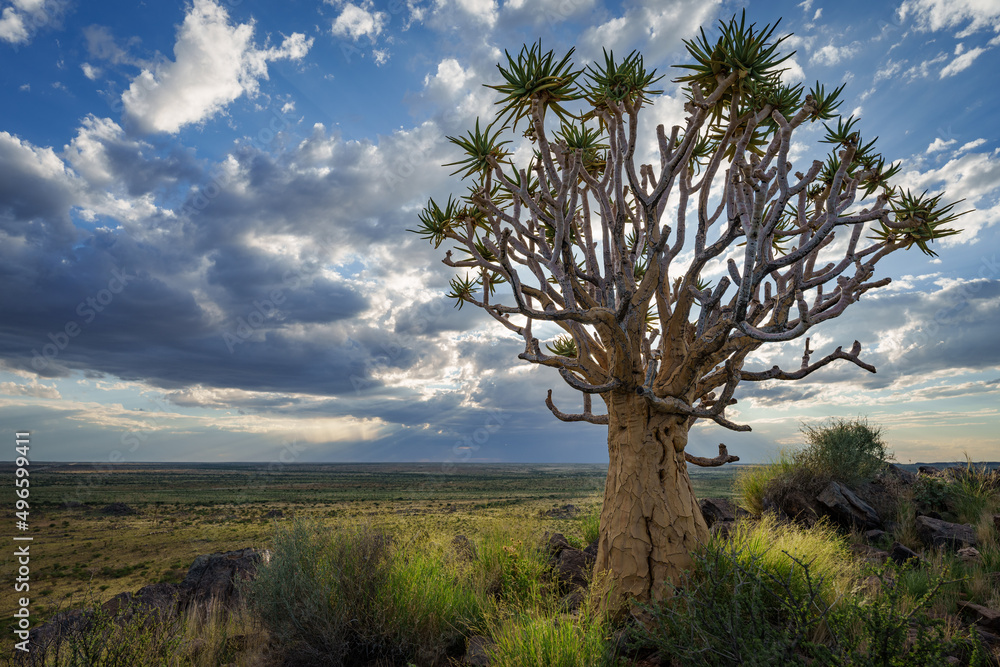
(614, 254)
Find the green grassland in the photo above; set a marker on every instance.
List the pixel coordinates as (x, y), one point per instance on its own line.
(80, 553)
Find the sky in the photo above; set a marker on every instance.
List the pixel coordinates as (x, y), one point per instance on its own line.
(204, 205)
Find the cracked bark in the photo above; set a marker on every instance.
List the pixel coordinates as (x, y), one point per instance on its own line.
(651, 520)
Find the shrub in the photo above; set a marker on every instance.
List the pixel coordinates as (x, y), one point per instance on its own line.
(753, 482)
(591, 525)
(540, 640)
(848, 451)
(345, 596)
(509, 568)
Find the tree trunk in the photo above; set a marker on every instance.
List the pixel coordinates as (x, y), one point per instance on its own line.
(651, 520)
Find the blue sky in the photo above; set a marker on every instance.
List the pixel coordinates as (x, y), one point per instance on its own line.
(203, 211)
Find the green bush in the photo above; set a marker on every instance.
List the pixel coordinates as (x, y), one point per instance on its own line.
(541, 640)
(591, 527)
(848, 451)
(736, 608)
(346, 596)
(753, 482)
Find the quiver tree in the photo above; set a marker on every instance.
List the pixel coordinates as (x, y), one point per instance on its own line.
(663, 277)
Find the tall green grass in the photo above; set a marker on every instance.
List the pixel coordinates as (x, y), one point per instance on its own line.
(348, 596)
(753, 482)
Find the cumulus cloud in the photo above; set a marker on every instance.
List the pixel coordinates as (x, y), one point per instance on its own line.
(23, 18)
(939, 144)
(214, 64)
(934, 15)
(357, 21)
(830, 54)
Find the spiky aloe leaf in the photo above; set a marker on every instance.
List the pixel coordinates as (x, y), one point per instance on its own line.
(924, 217)
(436, 222)
(462, 290)
(613, 83)
(824, 104)
(588, 141)
(563, 346)
(534, 75)
(479, 147)
(742, 49)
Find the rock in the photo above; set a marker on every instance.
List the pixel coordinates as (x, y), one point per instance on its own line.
(574, 568)
(215, 575)
(984, 616)
(895, 473)
(564, 512)
(162, 599)
(845, 507)
(720, 509)
(996, 522)
(118, 509)
(928, 470)
(464, 548)
(572, 601)
(477, 651)
(794, 505)
(935, 532)
(869, 553)
(555, 543)
(591, 550)
(722, 529)
(901, 554)
(874, 535)
(970, 555)
(274, 514)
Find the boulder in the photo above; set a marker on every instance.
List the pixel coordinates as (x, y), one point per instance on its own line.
(970, 555)
(901, 554)
(564, 512)
(983, 616)
(868, 553)
(464, 548)
(928, 470)
(846, 508)
(794, 505)
(935, 532)
(894, 472)
(591, 550)
(573, 568)
(719, 509)
(555, 543)
(215, 575)
(118, 509)
(162, 599)
(874, 535)
(477, 651)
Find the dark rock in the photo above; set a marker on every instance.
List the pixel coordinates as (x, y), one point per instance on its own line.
(970, 555)
(983, 616)
(794, 505)
(591, 550)
(874, 535)
(869, 553)
(901, 554)
(935, 532)
(464, 548)
(555, 543)
(214, 576)
(894, 472)
(573, 600)
(934, 515)
(118, 509)
(722, 529)
(996, 522)
(574, 568)
(719, 509)
(928, 470)
(162, 598)
(477, 651)
(845, 507)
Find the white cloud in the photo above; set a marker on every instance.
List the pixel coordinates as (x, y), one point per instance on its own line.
(939, 145)
(975, 143)
(20, 21)
(889, 70)
(34, 389)
(215, 63)
(962, 62)
(90, 71)
(655, 31)
(357, 21)
(934, 15)
(793, 71)
(831, 55)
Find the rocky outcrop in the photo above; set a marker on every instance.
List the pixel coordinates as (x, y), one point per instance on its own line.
(716, 510)
(210, 577)
(938, 533)
(847, 508)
